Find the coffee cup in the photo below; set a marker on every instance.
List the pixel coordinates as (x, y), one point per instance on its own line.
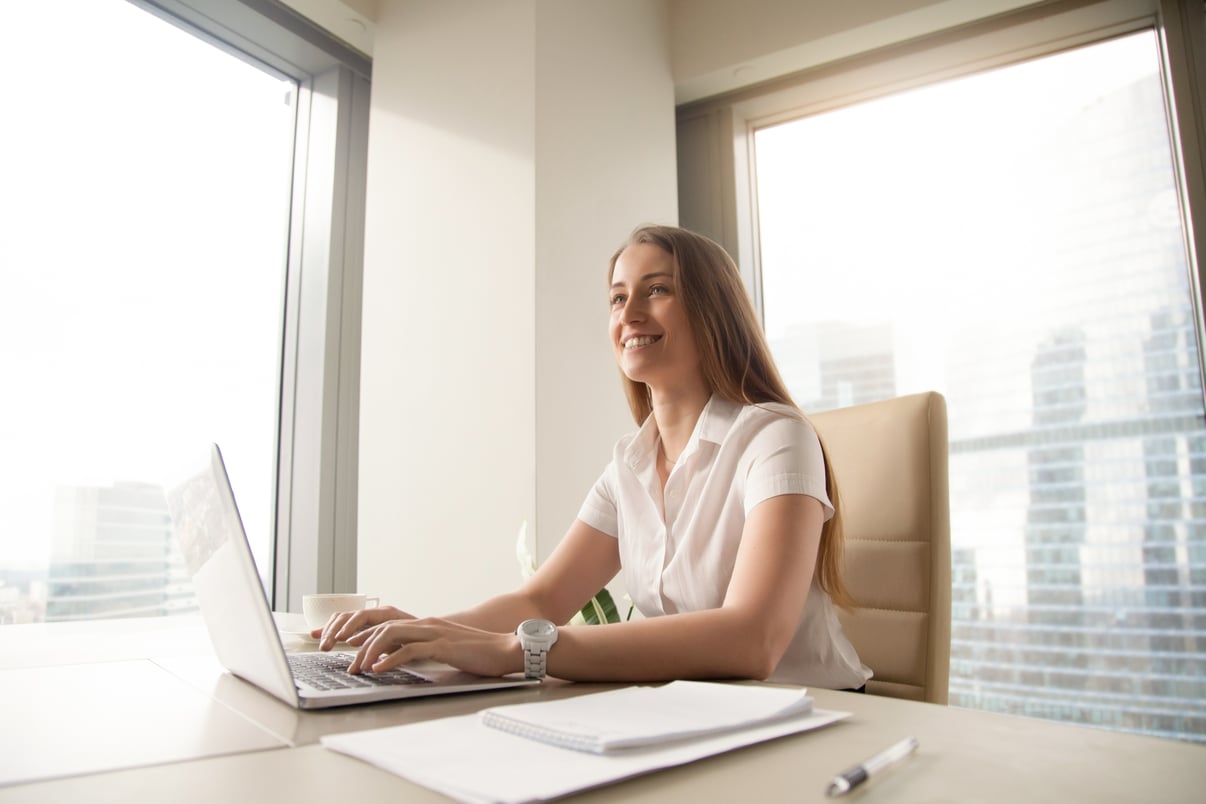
(318, 608)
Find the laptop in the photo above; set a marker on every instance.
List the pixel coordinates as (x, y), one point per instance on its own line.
(240, 622)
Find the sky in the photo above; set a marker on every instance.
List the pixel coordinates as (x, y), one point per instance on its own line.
(142, 260)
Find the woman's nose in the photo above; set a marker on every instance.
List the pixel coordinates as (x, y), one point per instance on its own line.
(632, 310)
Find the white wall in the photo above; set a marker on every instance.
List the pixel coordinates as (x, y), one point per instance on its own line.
(723, 45)
(512, 145)
(605, 135)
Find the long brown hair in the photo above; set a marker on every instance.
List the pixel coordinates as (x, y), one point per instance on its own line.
(734, 357)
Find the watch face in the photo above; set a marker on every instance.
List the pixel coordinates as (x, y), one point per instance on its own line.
(538, 628)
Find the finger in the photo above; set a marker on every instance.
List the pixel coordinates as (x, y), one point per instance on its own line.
(385, 647)
(404, 653)
(388, 661)
(369, 631)
(369, 649)
(359, 638)
(349, 624)
(333, 630)
(357, 660)
(326, 633)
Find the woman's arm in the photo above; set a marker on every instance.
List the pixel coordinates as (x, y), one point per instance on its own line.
(744, 638)
(582, 563)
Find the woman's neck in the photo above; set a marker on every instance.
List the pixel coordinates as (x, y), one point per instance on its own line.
(676, 414)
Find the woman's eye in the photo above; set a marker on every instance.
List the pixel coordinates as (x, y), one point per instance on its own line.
(617, 299)
(658, 289)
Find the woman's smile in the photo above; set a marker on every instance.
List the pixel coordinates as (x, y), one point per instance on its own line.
(638, 341)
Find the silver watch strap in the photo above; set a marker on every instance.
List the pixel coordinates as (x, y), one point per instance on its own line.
(535, 662)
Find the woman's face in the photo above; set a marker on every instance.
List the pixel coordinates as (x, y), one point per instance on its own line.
(649, 329)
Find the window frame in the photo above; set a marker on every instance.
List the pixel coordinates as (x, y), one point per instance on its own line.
(314, 541)
(717, 185)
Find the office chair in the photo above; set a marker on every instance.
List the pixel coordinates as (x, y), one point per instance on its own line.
(890, 459)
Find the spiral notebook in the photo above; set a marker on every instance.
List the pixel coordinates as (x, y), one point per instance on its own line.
(641, 716)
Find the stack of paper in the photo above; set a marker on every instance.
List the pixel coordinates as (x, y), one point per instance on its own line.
(638, 716)
(631, 731)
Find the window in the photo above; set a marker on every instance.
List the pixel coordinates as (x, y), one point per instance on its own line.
(1028, 262)
(1013, 239)
(152, 300)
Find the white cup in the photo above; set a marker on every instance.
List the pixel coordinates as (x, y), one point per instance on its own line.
(319, 608)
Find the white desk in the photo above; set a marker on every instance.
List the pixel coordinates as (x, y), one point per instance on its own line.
(964, 756)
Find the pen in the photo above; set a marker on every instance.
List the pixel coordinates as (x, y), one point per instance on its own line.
(847, 780)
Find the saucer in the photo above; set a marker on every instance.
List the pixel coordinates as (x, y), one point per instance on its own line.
(303, 636)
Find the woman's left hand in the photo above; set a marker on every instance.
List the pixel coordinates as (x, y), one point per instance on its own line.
(473, 650)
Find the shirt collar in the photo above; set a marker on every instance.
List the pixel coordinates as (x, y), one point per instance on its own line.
(715, 421)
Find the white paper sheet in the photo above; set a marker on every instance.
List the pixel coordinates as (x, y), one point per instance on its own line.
(473, 763)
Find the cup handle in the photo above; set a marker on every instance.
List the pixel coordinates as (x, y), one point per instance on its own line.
(372, 602)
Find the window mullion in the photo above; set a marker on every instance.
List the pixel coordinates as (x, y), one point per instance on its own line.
(1183, 40)
(316, 513)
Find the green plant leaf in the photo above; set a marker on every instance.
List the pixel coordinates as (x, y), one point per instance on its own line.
(601, 609)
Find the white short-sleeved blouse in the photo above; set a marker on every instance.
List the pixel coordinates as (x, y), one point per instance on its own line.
(681, 558)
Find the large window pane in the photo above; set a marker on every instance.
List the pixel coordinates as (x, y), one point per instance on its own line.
(145, 208)
(1013, 240)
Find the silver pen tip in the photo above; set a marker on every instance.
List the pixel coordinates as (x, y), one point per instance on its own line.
(838, 787)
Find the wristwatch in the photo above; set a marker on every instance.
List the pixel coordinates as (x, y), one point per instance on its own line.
(536, 637)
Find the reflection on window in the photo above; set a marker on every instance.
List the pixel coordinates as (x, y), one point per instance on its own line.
(1013, 240)
(145, 210)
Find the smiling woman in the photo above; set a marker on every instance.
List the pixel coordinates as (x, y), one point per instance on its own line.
(720, 511)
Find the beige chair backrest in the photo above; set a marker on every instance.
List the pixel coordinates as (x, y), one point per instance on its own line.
(890, 459)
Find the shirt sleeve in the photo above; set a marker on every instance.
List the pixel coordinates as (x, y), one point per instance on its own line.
(599, 508)
(786, 458)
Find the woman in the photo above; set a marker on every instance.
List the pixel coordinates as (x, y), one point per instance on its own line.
(720, 511)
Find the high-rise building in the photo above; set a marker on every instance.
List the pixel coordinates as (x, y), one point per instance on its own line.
(113, 555)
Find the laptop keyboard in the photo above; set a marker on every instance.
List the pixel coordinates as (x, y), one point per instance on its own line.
(328, 671)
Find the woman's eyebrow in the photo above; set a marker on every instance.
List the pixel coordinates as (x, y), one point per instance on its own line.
(646, 278)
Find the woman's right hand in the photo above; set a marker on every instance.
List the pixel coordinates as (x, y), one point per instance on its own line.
(343, 625)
